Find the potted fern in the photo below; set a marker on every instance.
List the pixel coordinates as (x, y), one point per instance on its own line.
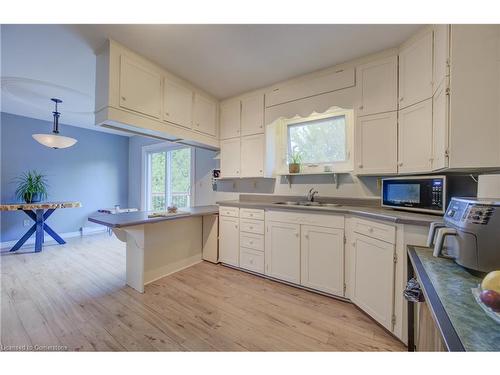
(31, 187)
(295, 158)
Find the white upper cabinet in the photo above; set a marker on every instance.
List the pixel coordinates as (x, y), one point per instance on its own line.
(415, 138)
(230, 151)
(441, 67)
(415, 70)
(282, 253)
(252, 114)
(373, 279)
(177, 103)
(310, 85)
(140, 88)
(377, 144)
(252, 155)
(205, 115)
(230, 118)
(440, 127)
(378, 81)
(322, 259)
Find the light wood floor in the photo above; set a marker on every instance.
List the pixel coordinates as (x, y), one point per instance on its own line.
(73, 297)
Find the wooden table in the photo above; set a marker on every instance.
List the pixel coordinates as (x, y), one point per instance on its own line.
(39, 213)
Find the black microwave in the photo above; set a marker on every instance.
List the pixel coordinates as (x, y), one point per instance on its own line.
(416, 193)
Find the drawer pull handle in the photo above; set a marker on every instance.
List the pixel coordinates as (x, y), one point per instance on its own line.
(251, 242)
(251, 227)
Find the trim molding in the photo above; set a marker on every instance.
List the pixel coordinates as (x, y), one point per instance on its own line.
(84, 231)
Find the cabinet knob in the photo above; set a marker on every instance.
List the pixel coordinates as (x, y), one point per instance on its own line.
(237, 172)
(360, 165)
(251, 228)
(251, 215)
(370, 230)
(260, 126)
(124, 98)
(400, 163)
(251, 242)
(306, 236)
(167, 114)
(360, 107)
(236, 226)
(296, 234)
(197, 124)
(401, 99)
(260, 170)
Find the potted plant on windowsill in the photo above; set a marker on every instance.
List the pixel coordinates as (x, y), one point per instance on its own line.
(31, 187)
(294, 161)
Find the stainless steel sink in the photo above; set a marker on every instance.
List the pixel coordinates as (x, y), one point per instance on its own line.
(308, 204)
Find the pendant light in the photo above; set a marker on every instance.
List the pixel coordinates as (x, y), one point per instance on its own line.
(55, 140)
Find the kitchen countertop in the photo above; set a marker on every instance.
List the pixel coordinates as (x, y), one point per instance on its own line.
(371, 212)
(447, 289)
(127, 219)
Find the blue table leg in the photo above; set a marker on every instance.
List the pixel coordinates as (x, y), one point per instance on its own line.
(24, 238)
(38, 228)
(39, 231)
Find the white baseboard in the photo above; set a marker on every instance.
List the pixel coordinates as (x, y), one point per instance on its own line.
(84, 231)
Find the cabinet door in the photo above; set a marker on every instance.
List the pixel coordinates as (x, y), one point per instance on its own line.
(140, 88)
(415, 71)
(230, 157)
(252, 115)
(440, 66)
(229, 240)
(379, 86)
(252, 156)
(322, 259)
(177, 104)
(282, 254)
(440, 107)
(205, 115)
(415, 138)
(377, 143)
(230, 118)
(373, 289)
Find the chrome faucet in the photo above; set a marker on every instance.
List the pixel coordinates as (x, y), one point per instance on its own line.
(311, 194)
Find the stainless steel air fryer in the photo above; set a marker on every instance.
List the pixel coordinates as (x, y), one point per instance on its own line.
(470, 234)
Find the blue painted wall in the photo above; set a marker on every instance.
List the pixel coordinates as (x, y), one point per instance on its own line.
(94, 172)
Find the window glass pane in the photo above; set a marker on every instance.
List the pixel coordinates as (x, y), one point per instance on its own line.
(180, 177)
(158, 201)
(319, 141)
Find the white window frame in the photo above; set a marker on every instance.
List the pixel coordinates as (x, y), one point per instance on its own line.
(338, 166)
(145, 173)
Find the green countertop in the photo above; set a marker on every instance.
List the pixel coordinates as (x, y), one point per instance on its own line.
(453, 284)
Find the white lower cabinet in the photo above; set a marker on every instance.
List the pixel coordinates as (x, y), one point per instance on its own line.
(322, 259)
(373, 277)
(229, 240)
(252, 260)
(282, 254)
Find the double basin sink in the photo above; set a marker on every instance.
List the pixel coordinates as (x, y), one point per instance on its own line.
(308, 204)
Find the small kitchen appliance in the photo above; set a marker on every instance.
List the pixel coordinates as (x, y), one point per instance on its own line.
(470, 234)
(415, 193)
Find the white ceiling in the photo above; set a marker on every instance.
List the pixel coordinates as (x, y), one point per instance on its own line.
(41, 61)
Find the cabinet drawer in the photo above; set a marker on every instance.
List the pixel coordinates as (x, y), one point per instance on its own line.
(252, 241)
(323, 220)
(376, 230)
(252, 260)
(250, 213)
(252, 226)
(229, 211)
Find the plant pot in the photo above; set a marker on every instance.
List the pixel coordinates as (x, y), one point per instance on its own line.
(293, 168)
(35, 198)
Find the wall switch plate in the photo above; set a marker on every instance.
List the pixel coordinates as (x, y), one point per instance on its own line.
(26, 222)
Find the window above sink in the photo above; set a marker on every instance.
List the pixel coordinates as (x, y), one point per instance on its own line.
(323, 140)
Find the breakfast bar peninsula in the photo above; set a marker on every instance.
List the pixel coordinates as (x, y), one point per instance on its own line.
(159, 244)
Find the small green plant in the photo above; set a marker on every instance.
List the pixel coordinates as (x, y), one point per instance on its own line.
(295, 156)
(32, 187)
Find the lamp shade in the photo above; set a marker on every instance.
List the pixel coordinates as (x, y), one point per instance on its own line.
(54, 141)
